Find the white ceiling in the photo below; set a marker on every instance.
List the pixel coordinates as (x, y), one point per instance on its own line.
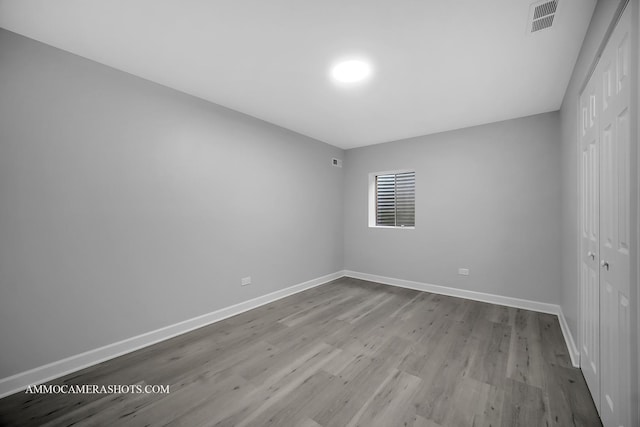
(438, 65)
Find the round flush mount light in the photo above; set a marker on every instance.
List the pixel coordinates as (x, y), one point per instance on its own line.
(351, 71)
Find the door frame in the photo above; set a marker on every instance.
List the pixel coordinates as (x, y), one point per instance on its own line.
(635, 134)
(594, 63)
(635, 140)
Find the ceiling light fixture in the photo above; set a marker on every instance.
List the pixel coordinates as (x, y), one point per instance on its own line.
(351, 71)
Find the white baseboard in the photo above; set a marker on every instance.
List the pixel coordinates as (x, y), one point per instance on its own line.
(541, 307)
(41, 374)
(568, 338)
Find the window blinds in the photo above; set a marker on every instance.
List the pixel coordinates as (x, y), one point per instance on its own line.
(396, 200)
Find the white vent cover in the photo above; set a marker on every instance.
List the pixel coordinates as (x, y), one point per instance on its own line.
(541, 15)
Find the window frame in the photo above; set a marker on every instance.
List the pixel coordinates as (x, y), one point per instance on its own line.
(372, 199)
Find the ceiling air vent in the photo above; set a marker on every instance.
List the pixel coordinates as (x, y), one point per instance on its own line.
(542, 14)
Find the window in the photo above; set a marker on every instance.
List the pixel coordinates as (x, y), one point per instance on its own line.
(392, 199)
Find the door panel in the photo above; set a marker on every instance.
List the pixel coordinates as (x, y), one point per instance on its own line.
(615, 204)
(608, 307)
(589, 337)
(623, 127)
(606, 229)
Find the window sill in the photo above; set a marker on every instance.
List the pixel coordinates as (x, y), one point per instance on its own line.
(392, 227)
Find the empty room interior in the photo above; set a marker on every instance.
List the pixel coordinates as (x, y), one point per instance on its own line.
(408, 213)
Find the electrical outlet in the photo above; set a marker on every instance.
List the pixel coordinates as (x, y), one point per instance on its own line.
(245, 281)
(463, 271)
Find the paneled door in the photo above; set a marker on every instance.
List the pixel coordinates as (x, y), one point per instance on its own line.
(606, 228)
(614, 75)
(589, 337)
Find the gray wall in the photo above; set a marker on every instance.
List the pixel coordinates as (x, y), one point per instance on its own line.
(488, 199)
(126, 206)
(602, 17)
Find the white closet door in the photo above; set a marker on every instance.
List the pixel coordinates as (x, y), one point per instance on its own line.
(589, 337)
(613, 76)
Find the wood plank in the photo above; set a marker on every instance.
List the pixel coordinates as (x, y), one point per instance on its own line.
(525, 351)
(524, 405)
(347, 353)
(388, 403)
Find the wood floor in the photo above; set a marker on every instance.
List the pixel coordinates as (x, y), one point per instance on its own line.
(349, 353)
